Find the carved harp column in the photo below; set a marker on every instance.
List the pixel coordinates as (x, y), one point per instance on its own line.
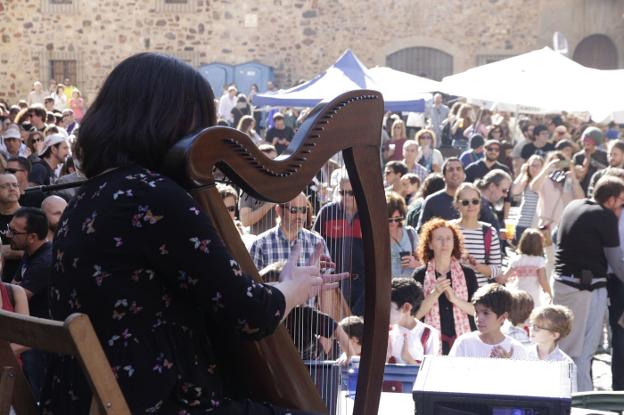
(271, 369)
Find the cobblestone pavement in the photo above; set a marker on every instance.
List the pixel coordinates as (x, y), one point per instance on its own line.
(601, 372)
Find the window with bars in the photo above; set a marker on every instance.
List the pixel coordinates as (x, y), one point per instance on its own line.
(183, 6)
(63, 69)
(422, 61)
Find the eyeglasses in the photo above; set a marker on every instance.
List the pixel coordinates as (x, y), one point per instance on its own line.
(396, 220)
(12, 171)
(534, 327)
(345, 192)
(505, 190)
(13, 232)
(37, 140)
(231, 208)
(296, 209)
(493, 150)
(466, 202)
(425, 137)
(9, 185)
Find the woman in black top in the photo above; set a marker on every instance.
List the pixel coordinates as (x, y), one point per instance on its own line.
(134, 252)
(448, 285)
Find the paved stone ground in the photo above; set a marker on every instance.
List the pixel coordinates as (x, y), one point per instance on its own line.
(601, 372)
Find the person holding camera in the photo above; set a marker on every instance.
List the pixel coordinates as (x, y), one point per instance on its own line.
(556, 185)
(403, 238)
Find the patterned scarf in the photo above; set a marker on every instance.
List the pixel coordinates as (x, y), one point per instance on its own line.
(458, 281)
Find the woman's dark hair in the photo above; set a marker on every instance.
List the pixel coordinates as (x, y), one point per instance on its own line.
(432, 183)
(407, 290)
(395, 202)
(138, 116)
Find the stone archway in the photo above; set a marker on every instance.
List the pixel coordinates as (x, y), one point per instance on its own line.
(422, 61)
(597, 51)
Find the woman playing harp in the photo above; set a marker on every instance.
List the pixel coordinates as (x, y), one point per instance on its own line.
(134, 252)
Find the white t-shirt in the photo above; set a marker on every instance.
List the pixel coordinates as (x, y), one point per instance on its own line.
(470, 345)
(414, 336)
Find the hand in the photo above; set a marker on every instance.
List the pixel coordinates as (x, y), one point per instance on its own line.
(500, 353)
(502, 235)
(442, 284)
(450, 295)
(326, 264)
(550, 167)
(410, 261)
(307, 281)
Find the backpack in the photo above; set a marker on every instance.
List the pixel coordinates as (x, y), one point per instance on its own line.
(487, 241)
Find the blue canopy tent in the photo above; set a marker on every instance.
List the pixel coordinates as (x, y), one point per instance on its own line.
(347, 74)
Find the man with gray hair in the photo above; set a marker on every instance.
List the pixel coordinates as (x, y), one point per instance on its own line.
(37, 95)
(437, 114)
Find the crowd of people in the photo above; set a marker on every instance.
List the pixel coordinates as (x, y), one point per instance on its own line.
(469, 278)
(463, 172)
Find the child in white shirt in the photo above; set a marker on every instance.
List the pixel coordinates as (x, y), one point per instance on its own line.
(549, 324)
(409, 339)
(516, 326)
(492, 303)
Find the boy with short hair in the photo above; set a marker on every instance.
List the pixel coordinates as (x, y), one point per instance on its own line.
(492, 304)
(521, 307)
(409, 339)
(549, 324)
(353, 326)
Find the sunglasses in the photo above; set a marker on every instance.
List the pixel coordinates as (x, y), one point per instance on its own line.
(345, 192)
(396, 220)
(466, 202)
(231, 208)
(37, 140)
(493, 150)
(294, 209)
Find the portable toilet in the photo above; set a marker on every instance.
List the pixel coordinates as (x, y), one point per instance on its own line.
(249, 73)
(218, 75)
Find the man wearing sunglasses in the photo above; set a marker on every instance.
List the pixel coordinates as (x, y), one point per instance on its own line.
(480, 168)
(339, 224)
(275, 244)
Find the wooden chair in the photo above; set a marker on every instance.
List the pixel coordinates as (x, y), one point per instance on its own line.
(75, 336)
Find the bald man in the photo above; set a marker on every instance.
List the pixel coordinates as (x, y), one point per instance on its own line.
(53, 207)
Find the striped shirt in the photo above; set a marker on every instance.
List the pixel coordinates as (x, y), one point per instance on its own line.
(474, 245)
(528, 207)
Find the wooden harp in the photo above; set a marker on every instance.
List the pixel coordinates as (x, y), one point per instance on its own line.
(271, 369)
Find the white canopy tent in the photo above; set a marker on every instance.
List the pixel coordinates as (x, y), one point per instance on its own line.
(541, 81)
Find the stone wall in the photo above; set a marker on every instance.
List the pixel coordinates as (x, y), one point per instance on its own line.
(298, 38)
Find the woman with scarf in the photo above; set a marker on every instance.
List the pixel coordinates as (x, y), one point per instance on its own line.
(448, 285)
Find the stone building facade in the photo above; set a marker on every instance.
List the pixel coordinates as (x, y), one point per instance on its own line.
(85, 39)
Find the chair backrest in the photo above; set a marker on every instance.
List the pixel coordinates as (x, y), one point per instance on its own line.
(75, 336)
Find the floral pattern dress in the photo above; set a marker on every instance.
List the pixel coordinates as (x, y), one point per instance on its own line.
(135, 254)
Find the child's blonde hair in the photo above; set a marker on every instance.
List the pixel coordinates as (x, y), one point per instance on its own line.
(531, 242)
(556, 318)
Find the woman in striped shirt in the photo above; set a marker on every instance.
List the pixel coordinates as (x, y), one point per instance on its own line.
(481, 243)
(528, 206)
